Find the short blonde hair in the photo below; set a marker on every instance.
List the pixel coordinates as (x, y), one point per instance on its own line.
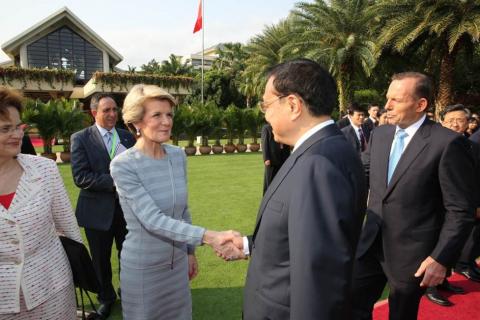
(133, 106)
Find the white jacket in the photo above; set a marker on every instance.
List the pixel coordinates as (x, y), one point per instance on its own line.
(31, 255)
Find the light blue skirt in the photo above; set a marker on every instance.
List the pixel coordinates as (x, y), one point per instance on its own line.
(159, 293)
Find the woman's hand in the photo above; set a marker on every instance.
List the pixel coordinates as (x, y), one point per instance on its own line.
(192, 266)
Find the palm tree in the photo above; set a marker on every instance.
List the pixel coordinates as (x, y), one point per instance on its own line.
(446, 26)
(264, 51)
(231, 56)
(175, 67)
(336, 34)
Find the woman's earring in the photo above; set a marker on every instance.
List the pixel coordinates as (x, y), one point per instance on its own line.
(138, 132)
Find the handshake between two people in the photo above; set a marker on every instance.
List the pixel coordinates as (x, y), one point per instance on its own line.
(228, 245)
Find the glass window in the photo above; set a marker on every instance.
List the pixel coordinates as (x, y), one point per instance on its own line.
(64, 49)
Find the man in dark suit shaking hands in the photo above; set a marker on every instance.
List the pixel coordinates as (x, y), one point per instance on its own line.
(420, 207)
(98, 209)
(309, 221)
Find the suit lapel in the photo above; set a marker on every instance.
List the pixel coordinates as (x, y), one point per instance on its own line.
(353, 135)
(288, 165)
(417, 144)
(384, 154)
(97, 142)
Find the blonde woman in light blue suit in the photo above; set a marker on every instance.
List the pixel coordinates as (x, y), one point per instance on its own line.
(158, 256)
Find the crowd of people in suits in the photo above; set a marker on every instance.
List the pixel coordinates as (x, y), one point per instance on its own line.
(347, 207)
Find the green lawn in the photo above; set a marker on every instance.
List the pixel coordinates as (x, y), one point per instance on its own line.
(224, 193)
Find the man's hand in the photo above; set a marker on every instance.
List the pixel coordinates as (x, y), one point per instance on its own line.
(267, 163)
(233, 250)
(434, 273)
(477, 213)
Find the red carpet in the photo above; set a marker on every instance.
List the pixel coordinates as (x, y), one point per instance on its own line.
(466, 306)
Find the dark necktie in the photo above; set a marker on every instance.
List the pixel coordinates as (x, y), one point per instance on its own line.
(363, 142)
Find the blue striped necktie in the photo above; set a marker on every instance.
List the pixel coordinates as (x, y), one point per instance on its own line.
(399, 143)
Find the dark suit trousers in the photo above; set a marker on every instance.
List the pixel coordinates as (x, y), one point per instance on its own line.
(471, 250)
(270, 173)
(100, 243)
(369, 280)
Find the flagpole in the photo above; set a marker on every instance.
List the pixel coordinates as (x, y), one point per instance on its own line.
(203, 44)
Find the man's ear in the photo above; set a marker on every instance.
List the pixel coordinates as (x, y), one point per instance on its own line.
(94, 112)
(296, 106)
(422, 105)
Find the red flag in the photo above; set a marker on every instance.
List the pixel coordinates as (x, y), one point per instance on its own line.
(199, 22)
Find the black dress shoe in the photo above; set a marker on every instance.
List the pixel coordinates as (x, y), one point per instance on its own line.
(434, 296)
(447, 286)
(475, 270)
(104, 310)
(470, 275)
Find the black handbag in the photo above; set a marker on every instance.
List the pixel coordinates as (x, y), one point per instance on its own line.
(84, 276)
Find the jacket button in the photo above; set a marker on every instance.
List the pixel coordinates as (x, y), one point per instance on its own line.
(15, 241)
(18, 261)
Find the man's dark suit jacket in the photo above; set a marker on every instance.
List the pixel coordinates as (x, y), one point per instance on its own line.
(351, 136)
(368, 123)
(427, 208)
(307, 231)
(27, 146)
(343, 122)
(91, 173)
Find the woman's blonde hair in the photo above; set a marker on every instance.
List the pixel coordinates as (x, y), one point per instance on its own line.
(133, 106)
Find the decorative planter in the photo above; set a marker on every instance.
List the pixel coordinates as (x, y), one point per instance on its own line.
(190, 151)
(217, 149)
(205, 149)
(65, 156)
(241, 148)
(51, 156)
(229, 148)
(254, 147)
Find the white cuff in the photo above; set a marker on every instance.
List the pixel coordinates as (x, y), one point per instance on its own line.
(246, 249)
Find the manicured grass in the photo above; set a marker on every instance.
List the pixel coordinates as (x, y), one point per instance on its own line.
(224, 193)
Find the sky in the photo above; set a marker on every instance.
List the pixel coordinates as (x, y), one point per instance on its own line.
(142, 30)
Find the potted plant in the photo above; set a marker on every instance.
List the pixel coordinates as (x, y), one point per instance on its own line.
(71, 119)
(205, 121)
(242, 125)
(178, 124)
(217, 120)
(44, 118)
(190, 129)
(230, 120)
(255, 120)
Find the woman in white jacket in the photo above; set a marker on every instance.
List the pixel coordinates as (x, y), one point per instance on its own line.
(35, 277)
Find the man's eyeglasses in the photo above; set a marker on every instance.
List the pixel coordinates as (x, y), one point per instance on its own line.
(457, 121)
(263, 105)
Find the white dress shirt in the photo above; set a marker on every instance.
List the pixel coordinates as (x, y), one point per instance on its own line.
(410, 130)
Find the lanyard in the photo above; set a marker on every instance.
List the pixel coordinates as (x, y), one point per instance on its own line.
(113, 147)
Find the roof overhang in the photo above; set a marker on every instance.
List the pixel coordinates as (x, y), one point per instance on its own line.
(63, 17)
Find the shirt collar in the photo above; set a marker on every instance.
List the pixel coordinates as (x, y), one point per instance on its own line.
(412, 129)
(103, 131)
(311, 132)
(354, 126)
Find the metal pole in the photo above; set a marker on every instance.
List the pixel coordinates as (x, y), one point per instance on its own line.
(203, 45)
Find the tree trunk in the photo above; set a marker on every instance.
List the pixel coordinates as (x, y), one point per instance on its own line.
(342, 103)
(445, 86)
(345, 95)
